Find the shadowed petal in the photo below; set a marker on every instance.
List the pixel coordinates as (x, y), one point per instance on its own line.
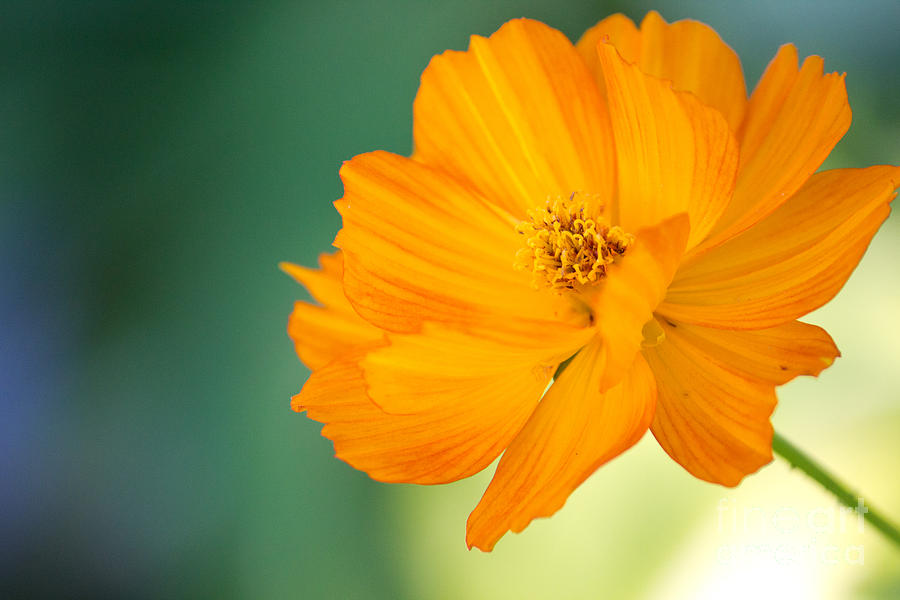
(323, 333)
(574, 430)
(631, 292)
(710, 419)
(774, 355)
(435, 368)
(446, 441)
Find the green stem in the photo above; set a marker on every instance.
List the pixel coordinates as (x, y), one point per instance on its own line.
(797, 458)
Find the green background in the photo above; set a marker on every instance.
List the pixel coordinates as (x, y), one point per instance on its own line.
(159, 159)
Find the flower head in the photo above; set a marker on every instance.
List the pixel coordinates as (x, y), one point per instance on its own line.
(568, 245)
(619, 206)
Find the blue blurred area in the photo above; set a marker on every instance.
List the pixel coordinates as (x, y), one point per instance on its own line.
(158, 160)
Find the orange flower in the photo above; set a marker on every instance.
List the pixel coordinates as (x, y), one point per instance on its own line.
(618, 206)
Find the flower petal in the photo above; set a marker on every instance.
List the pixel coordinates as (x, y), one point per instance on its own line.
(322, 333)
(616, 30)
(790, 263)
(437, 367)
(688, 53)
(794, 119)
(674, 154)
(418, 247)
(696, 59)
(715, 168)
(630, 293)
(709, 419)
(443, 443)
(774, 355)
(574, 430)
(518, 116)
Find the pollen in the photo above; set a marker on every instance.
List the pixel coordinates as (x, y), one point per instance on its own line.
(567, 246)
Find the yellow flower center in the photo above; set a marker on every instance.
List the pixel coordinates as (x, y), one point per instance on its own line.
(566, 246)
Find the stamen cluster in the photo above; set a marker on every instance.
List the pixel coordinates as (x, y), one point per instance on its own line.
(566, 247)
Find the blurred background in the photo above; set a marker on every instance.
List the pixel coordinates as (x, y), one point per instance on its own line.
(158, 160)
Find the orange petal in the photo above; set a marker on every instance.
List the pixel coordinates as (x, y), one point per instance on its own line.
(715, 168)
(794, 119)
(695, 58)
(518, 116)
(792, 262)
(324, 283)
(574, 430)
(443, 443)
(633, 288)
(774, 355)
(709, 419)
(420, 247)
(420, 372)
(322, 333)
(617, 30)
(674, 154)
(688, 53)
